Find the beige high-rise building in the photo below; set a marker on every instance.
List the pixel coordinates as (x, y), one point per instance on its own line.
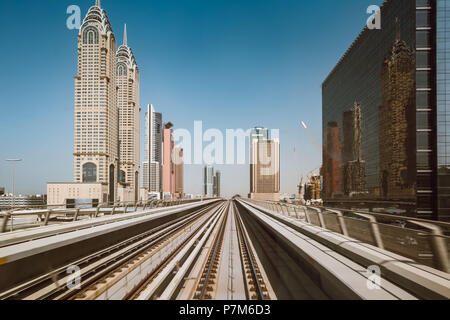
(264, 167)
(127, 79)
(96, 138)
(179, 172)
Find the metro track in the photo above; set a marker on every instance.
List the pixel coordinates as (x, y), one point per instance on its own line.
(226, 250)
(135, 259)
(167, 283)
(208, 280)
(223, 270)
(256, 280)
(94, 266)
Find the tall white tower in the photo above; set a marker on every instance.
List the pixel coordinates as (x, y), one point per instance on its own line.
(153, 150)
(127, 79)
(96, 148)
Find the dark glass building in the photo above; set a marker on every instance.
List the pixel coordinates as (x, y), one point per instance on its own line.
(386, 113)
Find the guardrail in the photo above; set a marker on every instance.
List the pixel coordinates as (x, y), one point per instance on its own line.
(44, 216)
(424, 241)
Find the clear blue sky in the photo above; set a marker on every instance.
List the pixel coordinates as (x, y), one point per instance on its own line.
(230, 63)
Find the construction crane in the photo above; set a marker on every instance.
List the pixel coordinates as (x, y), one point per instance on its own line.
(313, 190)
(314, 183)
(311, 137)
(317, 197)
(313, 194)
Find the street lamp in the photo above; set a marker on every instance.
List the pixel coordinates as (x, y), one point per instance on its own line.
(13, 162)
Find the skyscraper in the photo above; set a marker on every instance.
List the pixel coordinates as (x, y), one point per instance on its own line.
(208, 181)
(264, 166)
(96, 131)
(441, 12)
(127, 79)
(168, 166)
(217, 177)
(399, 76)
(179, 172)
(153, 150)
(107, 120)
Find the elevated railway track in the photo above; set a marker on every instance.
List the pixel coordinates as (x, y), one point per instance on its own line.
(207, 250)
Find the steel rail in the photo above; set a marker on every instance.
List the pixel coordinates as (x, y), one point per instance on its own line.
(137, 291)
(243, 238)
(188, 258)
(212, 257)
(148, 290)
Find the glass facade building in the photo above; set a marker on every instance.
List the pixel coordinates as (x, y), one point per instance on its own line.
(386, 106)
(443, 104)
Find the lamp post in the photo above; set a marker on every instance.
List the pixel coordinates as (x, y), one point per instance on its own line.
(13, 162)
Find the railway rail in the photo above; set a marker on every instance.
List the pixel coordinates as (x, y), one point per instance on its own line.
(167, 282)
(256, 285)
(208, 282)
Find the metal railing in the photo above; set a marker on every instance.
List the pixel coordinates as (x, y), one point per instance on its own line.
(424, 241)
(43, 216)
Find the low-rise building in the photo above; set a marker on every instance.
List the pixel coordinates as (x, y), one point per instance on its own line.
(64, 194)
(8, 201)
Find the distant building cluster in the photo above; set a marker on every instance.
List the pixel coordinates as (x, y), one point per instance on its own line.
(386, 113)
(107, 127)
(264, 169)
(211, 182)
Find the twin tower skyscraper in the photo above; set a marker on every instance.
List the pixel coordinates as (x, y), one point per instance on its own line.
(107, 111)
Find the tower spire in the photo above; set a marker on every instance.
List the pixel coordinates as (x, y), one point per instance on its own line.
(125, 35)
(97, 3)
